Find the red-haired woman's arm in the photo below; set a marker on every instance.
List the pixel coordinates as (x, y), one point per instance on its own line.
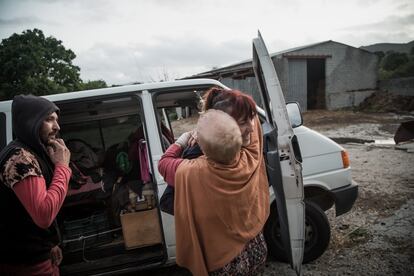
(169, 162)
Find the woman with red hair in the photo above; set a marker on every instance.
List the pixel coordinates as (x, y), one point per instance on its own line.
(221, 202)
(235, 103)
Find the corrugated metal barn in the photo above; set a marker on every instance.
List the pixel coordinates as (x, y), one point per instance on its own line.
(325, 75)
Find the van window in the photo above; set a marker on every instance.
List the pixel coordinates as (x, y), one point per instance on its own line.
(3, 131)
(179, 111)
(103, 133)
(101, 123)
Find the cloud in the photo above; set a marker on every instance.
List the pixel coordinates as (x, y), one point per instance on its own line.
(24, 20)
(139, 40)
(394, 29)
(178, 57)
(366, 3)
(390, 23)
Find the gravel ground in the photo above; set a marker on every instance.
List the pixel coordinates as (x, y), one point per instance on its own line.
(377, 236)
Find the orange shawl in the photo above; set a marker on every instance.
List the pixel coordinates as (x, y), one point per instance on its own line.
(219, 208)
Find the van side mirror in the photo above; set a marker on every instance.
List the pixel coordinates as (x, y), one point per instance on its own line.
(294, 113)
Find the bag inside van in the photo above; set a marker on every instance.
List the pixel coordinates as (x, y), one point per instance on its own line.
(110, 217)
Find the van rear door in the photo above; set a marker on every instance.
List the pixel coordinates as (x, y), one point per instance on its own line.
(282, 154)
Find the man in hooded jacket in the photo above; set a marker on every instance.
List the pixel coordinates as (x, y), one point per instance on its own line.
(34, 177)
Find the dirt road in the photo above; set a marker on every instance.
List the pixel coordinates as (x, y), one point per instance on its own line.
(377, 236)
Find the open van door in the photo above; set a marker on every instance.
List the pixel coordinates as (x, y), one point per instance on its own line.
(283, 158)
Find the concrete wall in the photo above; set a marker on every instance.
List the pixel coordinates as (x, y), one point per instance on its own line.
(351, 73)
(400, 86)
(347, 99)
(282, 70)
(247, 85)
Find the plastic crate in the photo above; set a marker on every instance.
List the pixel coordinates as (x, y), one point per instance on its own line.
(86, 232)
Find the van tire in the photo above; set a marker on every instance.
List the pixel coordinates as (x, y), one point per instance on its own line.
(317, 233)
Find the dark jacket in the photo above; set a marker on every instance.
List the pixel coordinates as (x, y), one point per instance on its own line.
(21, 240)
(167, 198)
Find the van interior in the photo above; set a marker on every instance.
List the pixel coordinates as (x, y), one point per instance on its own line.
(110, 218)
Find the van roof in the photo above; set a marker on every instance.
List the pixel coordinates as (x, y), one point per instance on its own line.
(5, 105)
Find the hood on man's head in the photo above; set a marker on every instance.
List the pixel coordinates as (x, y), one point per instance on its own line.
(28, 113)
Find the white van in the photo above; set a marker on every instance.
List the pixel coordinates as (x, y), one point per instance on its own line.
(327, 182)
(111, 222)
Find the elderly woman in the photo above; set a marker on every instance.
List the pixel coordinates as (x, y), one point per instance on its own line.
(221, 198)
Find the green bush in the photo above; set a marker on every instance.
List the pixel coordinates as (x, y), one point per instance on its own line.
(396, 65)
(172, 116)
(393, 60)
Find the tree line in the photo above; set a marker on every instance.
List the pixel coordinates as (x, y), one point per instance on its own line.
(395, 65)
(39, 65)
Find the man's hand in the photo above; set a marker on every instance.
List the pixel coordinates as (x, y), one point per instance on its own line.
(56, 255)
(58, 152)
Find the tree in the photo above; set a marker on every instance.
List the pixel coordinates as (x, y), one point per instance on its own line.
(392, 60)
(405, 70)
(33, 63)
(396, 65)
(380, 55)
(92, 85)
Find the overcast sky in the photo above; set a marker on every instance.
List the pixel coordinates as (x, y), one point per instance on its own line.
(123, 41)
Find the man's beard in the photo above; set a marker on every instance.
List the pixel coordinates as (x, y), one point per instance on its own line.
(51, 137)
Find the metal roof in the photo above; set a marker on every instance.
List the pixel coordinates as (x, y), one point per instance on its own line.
(246, 64)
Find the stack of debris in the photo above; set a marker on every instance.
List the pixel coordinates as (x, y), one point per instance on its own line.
(387, 102)
(404, 136)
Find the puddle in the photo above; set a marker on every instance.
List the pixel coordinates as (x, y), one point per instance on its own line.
(384, 142)
(347, 140)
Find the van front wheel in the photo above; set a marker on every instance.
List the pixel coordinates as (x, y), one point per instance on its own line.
(317, 230)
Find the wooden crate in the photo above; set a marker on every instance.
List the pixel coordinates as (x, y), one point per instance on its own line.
(141, 228)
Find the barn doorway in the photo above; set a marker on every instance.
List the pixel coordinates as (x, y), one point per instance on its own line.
(316, 83)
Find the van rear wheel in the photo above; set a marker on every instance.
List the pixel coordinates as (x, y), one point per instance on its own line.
(317, 233)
